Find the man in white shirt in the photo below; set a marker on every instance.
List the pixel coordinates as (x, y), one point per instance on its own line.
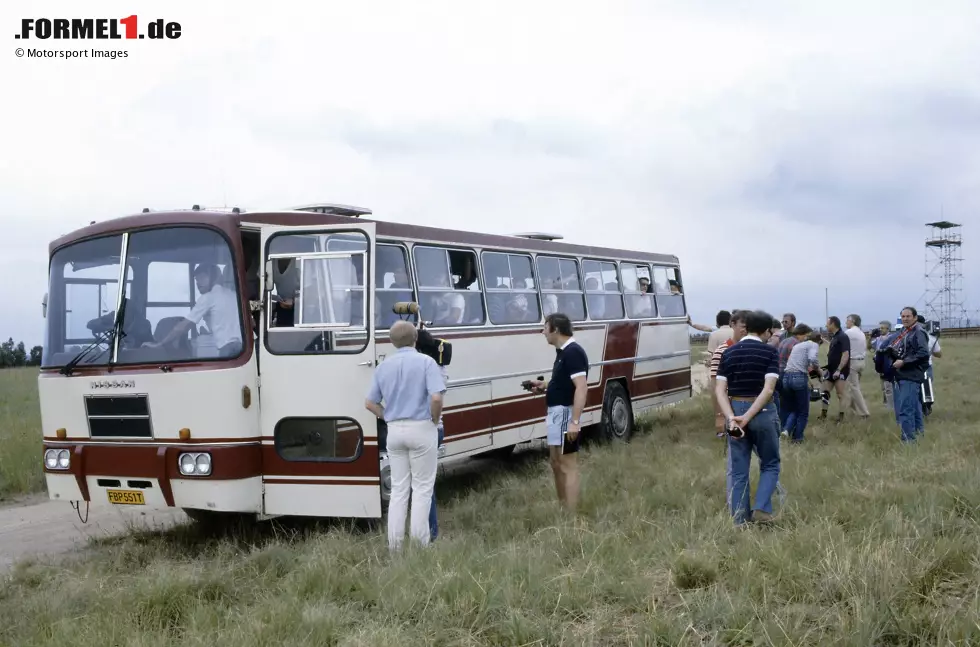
(221, 310)
(858, 353)
(724, 332)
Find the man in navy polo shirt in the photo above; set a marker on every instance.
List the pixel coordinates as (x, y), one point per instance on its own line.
(745, 383)
(566, 393)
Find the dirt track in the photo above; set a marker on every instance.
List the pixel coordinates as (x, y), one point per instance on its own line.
(37, 527)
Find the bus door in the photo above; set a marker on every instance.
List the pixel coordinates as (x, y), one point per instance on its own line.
(319, 443)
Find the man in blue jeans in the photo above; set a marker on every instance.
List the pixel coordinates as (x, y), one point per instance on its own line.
(433, 519)
(910, 354)
(745, 383)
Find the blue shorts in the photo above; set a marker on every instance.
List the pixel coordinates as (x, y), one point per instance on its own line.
(558, 419)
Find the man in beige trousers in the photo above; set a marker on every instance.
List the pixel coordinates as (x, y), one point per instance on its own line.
(859, 350)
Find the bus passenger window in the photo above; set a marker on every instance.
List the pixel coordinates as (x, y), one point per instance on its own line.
(449, 287)
(392, 284)
(561, 287)
(636, 282)
(512, 296)
(602, 290)
(670, 295)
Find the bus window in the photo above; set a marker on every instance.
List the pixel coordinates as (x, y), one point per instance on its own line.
(561, 287)
(602, 290)
(636, 285)
(318, 439)
(670, 295)
(316, 298)
(391, 284)
(512, 296)
(449, 286)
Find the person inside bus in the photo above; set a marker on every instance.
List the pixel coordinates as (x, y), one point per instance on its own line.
(450, 307)
(285, 276)
(220, 309)
(642, 303)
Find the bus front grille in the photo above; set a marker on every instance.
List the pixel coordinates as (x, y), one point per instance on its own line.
(118, 416)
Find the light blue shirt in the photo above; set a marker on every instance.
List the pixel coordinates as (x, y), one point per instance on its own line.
(406, 382)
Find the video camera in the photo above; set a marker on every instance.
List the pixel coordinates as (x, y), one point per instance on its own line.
(438, 349)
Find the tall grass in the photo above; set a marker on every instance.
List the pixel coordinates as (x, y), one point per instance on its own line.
(20, 433)
(877, 543)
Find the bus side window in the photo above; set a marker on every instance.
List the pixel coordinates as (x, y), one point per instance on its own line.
(512, 296)
(449, 286)
(636, 285)
(561, 288)
(602, 290)
(670, 295)
(392, 284)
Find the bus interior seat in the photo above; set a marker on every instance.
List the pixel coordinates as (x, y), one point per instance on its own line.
(164, 326)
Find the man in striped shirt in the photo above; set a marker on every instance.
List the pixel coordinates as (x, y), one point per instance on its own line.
(746, 381)
(737, 323)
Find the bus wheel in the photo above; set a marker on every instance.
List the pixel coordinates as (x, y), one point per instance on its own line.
(385, 482)
(617, 414)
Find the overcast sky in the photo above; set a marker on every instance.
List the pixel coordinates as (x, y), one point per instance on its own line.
(776, 151)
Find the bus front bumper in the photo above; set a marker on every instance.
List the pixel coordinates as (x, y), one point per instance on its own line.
(150, 475)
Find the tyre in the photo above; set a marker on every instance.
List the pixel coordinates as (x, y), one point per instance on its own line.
(617, 414)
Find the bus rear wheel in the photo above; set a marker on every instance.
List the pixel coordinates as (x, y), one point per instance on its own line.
(617, 414)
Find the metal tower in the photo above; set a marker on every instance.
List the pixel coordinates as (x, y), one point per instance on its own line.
(944, 274)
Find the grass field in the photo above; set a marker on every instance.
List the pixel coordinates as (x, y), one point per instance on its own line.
(876, 544)
(20, 433)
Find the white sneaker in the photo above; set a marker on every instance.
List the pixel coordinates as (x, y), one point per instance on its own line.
(784, 434)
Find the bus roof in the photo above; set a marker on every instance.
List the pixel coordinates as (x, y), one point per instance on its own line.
(230, 221)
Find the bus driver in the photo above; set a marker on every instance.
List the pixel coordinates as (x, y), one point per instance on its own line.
(222, 309)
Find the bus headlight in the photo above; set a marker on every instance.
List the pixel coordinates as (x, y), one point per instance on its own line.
(57, 459)
(194, 464)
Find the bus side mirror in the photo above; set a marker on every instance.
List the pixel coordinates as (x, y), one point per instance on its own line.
(44, 306)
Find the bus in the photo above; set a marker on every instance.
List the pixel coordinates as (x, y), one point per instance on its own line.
(228, 376)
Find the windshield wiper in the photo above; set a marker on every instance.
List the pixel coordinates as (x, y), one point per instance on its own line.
(106, 337)
(70, 366)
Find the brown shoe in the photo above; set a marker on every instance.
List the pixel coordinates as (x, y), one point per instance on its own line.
(758, 516)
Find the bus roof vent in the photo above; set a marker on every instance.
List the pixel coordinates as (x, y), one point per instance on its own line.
(536, 235)
(146, 210)
(334, 209)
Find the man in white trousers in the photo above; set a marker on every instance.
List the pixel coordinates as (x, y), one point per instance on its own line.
(411, 386)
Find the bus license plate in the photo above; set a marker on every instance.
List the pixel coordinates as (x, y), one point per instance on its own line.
(128, 497)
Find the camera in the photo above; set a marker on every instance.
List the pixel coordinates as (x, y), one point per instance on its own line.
(876, 333)
(526, 384)
(890, 352)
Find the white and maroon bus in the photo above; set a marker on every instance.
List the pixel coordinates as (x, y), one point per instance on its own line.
(230, 374)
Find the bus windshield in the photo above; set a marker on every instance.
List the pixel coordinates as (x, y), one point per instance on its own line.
(181, 299)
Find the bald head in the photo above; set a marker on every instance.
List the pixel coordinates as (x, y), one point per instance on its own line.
(403, 334)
